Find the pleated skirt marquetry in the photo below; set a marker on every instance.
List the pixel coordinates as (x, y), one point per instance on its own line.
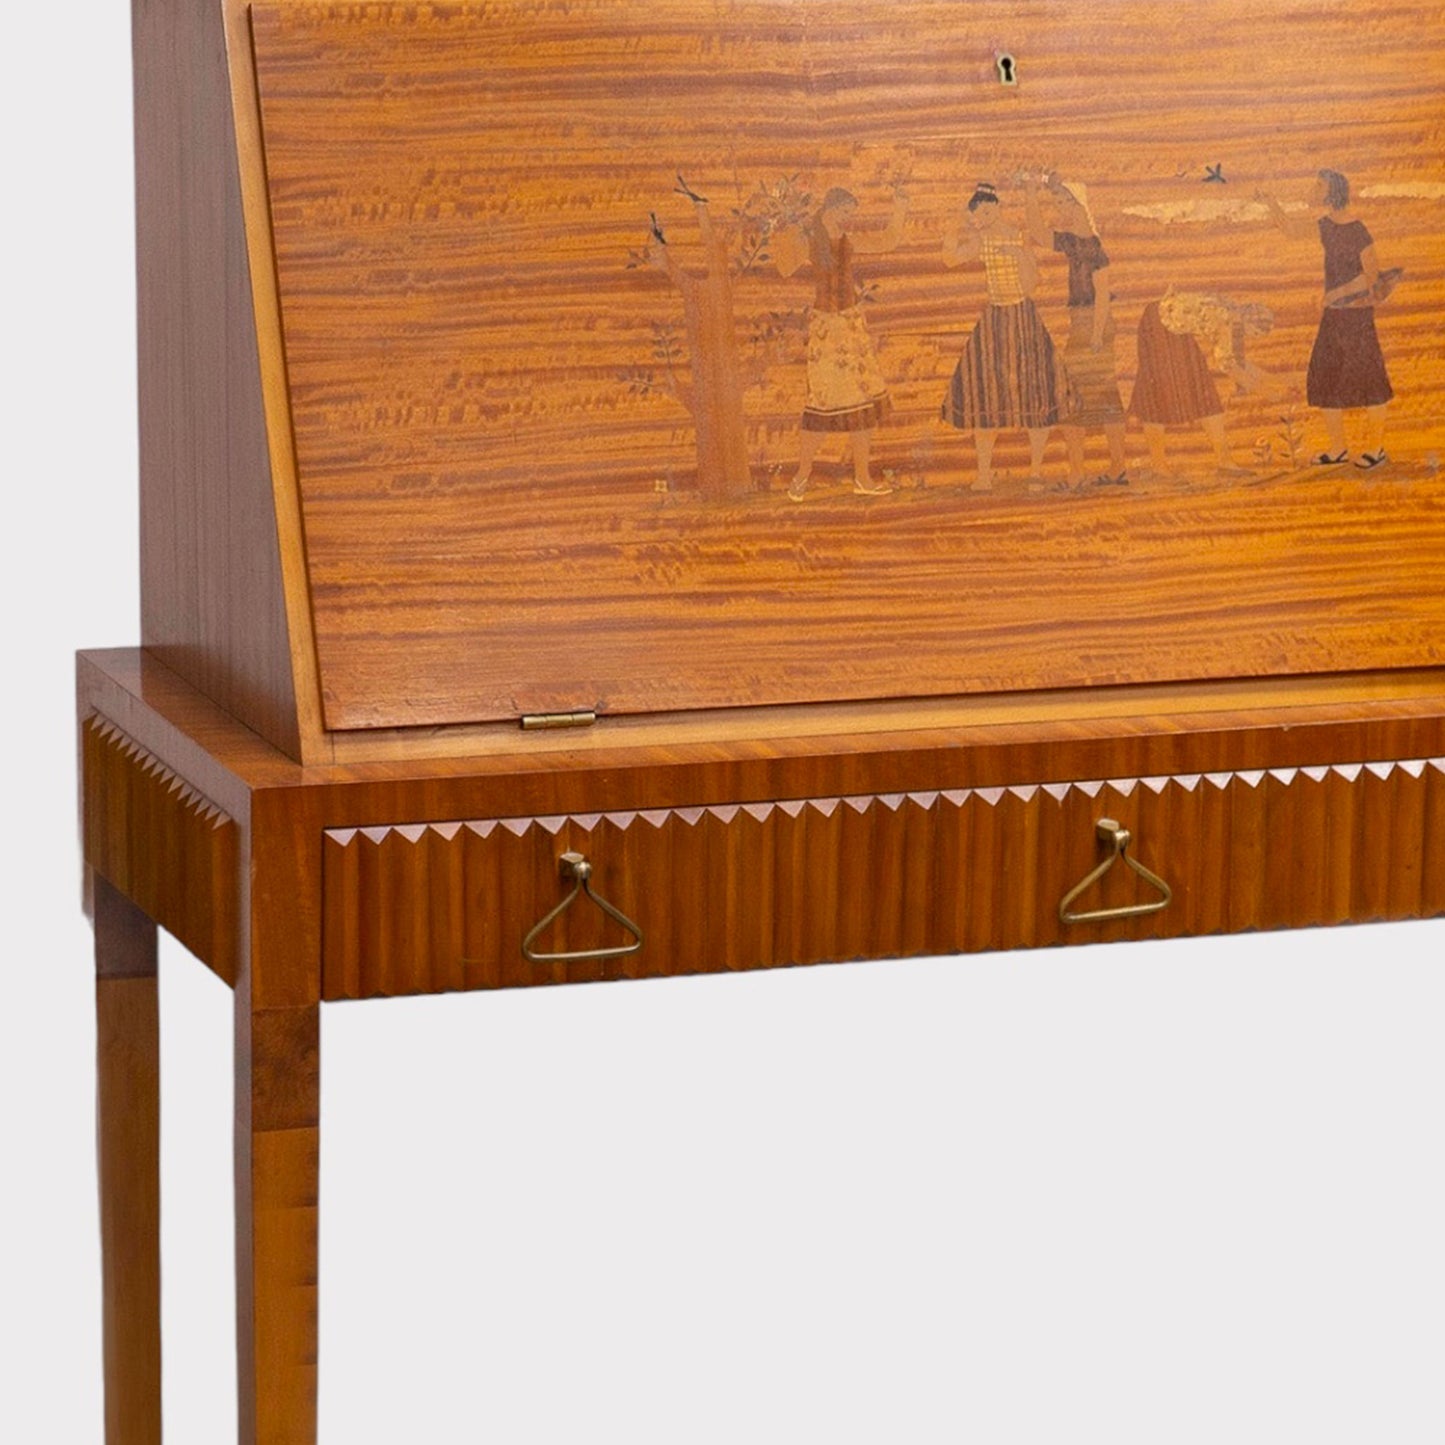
(1007, 375)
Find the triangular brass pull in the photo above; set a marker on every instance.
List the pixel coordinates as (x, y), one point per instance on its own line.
(579, 870)
(1117, 838)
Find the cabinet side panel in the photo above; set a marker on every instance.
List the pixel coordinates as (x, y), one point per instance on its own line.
(212, 605)
(160, 843)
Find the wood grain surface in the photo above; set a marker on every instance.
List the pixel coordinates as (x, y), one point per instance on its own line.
(128, 1118)
(278, 1128)
(498, 462)
(424, 908)
(212, 599)
(160, 843)
(800, 752)
(277, 1191)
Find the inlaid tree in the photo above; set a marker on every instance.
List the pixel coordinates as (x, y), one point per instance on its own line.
(712, 387)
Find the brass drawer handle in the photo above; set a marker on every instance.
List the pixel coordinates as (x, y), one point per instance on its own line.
(579, 870)
(1117, 837)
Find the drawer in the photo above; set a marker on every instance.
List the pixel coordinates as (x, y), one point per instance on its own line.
(433, 906)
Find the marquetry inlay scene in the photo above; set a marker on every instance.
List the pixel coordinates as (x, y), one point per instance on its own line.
(647, 356)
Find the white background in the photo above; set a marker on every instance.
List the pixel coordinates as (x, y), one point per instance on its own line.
(1145, 1194)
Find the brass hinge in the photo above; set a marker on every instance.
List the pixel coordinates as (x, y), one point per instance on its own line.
(535, 722)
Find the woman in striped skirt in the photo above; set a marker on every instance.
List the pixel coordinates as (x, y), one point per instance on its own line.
(1005, 379)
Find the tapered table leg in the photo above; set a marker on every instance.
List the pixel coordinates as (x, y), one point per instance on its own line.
(128, 1138)
(277, 1160)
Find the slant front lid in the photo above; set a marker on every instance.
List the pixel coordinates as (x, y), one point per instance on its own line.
(667, 355)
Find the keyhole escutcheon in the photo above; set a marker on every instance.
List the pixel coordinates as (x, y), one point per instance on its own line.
(1008, 71)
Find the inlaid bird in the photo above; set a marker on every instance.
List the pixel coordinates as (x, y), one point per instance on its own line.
(683, 189)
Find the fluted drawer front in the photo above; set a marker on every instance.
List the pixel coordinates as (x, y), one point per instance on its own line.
(426, 907)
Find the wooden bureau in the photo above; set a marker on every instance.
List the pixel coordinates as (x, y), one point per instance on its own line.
(599, 529)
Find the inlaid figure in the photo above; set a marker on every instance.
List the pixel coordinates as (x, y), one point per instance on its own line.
(1347, 368)
(1183, 337)
(1090, 401)
(1006, 378)
(846, 390)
